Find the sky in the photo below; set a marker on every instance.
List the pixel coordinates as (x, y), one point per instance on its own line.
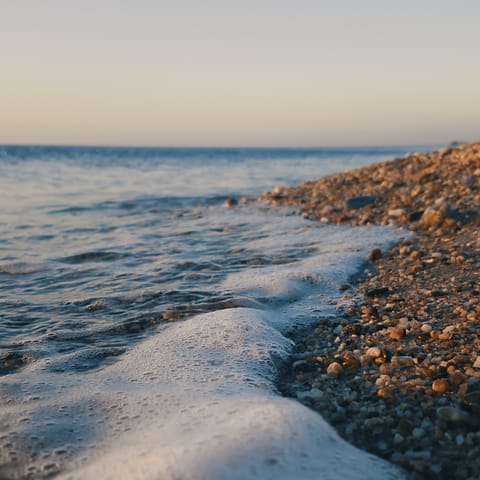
(239, 73)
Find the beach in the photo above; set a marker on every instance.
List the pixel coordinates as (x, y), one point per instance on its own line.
(144, 324)
(399, 375)
(155, 323)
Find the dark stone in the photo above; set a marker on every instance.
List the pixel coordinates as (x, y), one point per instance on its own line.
(378, 292)
(439, 293)
(375, 254)
(471, 401)
(361, 201)
(415, 216)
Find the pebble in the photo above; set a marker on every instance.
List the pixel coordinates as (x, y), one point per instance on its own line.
(476, 364)
(402, 361)
(354, 203)
(452, 414)
(440, 385)
(334, 369)
(426, 328)
(397, 438)
(432, 217)
(418, 433)
(375, 254)
(472, 401)
(396, 212)
(373, 352)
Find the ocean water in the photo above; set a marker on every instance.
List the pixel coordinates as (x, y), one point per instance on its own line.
(142, 323)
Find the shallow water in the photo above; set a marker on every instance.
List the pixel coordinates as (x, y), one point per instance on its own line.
(105, 252)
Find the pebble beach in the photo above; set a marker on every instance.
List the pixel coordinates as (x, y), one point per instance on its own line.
(398, 372)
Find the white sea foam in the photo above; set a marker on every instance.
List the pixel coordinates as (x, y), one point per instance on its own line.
(197, 400)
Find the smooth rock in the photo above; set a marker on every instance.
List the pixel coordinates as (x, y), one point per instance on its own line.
(471, 401)
(375, 254)
(334, 369)
(361, 201)
(402, 361)
(374, 352)
(476, 364)
(440, 385)
(378, 292)
(396, 212)
(426, 328)
(452, 415)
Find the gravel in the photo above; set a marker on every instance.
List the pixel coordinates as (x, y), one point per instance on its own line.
(399, 374)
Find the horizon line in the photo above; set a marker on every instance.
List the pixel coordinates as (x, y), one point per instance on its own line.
(234, 147)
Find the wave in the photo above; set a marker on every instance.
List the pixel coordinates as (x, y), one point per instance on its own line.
(99, 256)
(198, 399)
(23, 268)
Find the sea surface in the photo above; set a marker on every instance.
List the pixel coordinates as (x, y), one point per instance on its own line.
(142, 322)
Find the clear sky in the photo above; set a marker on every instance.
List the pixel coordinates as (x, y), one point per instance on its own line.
(239, 73)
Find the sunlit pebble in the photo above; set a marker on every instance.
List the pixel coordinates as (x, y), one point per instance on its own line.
(396, 334)
(440, 385)
(383, 393)
(334, 369)
(374, 352)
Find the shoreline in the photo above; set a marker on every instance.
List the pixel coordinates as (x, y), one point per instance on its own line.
(399, 374)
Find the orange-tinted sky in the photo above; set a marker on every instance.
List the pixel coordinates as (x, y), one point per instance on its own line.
(238, 73)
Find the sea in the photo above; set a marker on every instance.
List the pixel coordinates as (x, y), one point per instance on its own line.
(143, 324)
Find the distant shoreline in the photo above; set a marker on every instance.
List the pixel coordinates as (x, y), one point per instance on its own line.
(400, 374)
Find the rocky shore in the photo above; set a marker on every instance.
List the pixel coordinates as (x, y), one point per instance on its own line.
(398, 373)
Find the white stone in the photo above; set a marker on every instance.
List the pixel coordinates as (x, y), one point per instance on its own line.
(426, 328)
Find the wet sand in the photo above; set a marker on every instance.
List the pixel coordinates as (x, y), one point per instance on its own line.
(399, 373)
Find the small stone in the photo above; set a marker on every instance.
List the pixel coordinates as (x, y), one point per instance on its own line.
(452, 415)
(471, 401)
(375, 254)
(415, 216)
(354, 203)
(456, 377)
(382, 380)
(396, 333)
(365, 360)
(418, 433)
(397, 438)
(426, 328)
(312, 395)
(334, 369)
(440, 385)
(402, 361)
(433, 216)
(383, 393)
(476, 364)
(374, 352)
(230, 202)
(378, 292)
(449, 329)
(396, 212)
